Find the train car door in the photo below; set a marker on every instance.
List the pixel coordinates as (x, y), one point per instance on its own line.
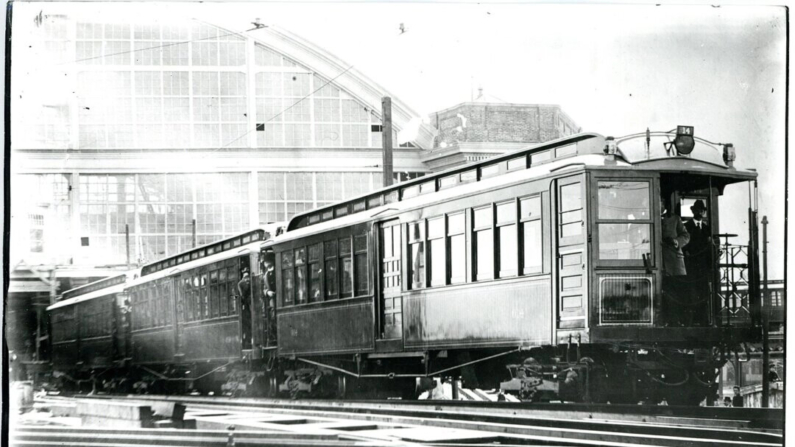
(391, 302)
(571, 255)
(178, 286)
(244, 288)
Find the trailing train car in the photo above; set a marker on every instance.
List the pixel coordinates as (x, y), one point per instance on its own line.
(547, 262)
(558, 272)
(194, 314)
(87, 331)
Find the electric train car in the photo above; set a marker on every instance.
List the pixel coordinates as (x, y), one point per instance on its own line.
(557, 272)
(87, 331)
(549, 263)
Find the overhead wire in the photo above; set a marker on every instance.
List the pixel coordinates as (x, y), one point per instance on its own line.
(289, 107)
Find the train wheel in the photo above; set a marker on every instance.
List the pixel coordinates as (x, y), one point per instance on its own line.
(342, 387)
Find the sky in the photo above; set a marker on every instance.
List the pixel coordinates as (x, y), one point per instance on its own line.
(614, 69)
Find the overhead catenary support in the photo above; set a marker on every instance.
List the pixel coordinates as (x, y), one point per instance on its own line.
(386, 138)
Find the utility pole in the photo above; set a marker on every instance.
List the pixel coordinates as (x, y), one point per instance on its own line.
(765, 321)
(193, 235)
(386, 138)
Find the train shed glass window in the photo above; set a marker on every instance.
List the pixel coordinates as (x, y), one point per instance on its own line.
(436, 251)
(416, 242)
(507, 237)
(456, 241)
(624, 220)
(532, 249)
(484, 243)
(346, 265)
(360, 260)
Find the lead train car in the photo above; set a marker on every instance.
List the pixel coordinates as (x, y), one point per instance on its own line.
(546, 262)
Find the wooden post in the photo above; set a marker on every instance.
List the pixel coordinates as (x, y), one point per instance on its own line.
(386, 138)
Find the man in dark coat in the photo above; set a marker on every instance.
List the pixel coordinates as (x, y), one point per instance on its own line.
(698, 262)
(674, 239)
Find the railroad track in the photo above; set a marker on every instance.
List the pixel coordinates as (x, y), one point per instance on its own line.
(271, 422)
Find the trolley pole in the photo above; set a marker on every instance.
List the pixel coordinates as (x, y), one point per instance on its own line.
(193, 240)
(765, 321)
(386, 138)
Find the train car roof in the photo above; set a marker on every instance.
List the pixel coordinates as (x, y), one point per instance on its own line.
(93, 290)
(550, 153)
(188, 256)
(250, 247)
(567, 165)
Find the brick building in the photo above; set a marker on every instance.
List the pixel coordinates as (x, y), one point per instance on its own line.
(480, 129)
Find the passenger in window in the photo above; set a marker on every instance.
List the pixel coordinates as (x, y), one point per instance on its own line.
(269, 294)
(244, 288)
(698, 262)
(674, 238)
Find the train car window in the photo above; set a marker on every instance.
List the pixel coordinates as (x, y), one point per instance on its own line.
(205, 295)
(327, 215)
(187, 297)
(517, 163)
(360, 261)
(489, 171)
(315, 272)
(427, 187)
(532, 249)
(214, 297)
(341, 211)
(332, 274)
(231, 284)
(374, 202)
(437, 254)
(447, 182)
(223, 292)
(456, 243)
(571, 210)
(409, 192)
(624, 220)
(287, 279)
(484, 243)
(507, 239)
(300, 276)
(469, 176)
(565, 151)
(179, 296)
(358, 206)
(390, 197)
(346, 265)
(416, 243)
(540, 157)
